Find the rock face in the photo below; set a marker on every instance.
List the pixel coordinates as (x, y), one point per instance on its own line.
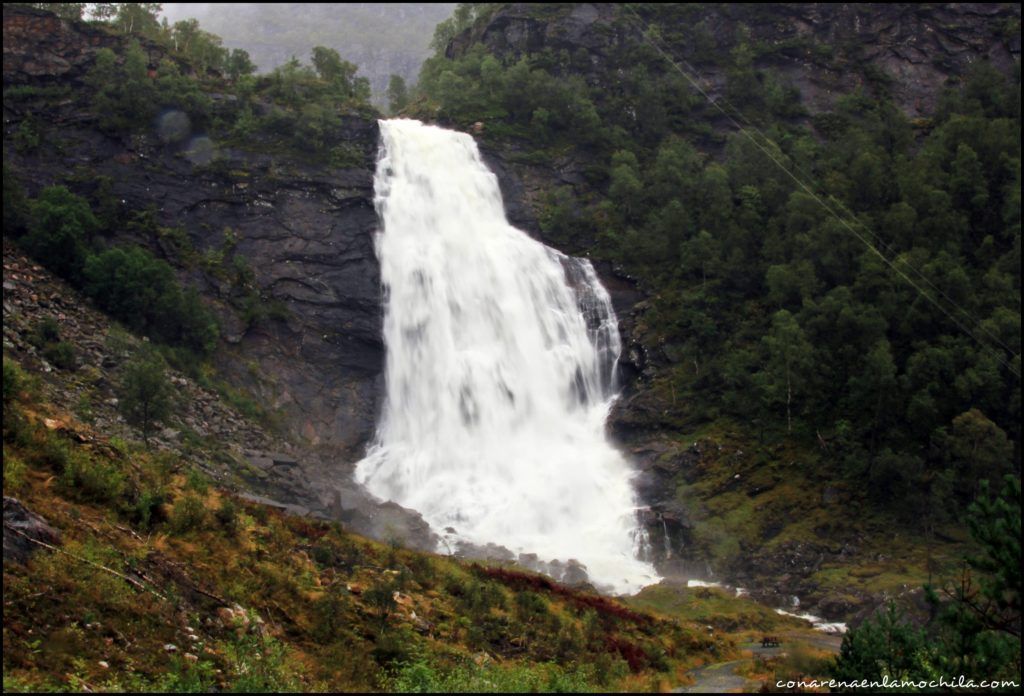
(38, 45)
(306, 232)
(21, 527)
(825, 50)
(308, 236)
(231, 449)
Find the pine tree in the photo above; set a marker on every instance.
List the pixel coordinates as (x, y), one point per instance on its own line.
(145, 392)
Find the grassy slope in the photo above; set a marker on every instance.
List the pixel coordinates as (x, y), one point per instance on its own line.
(764, 517)
(802, 650)
(317, 601)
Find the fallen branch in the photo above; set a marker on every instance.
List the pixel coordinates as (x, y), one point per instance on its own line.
(176, 573)
(128, 531)
(220, 600)
(134, 583)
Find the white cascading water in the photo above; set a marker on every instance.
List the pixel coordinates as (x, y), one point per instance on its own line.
(500, 364)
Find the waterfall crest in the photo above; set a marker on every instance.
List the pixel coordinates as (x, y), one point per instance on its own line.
(500, 370)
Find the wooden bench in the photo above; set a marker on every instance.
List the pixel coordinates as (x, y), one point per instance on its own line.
(770, 642)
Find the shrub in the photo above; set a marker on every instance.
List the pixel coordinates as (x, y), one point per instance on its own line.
(55, 451)
(260, 666)
(27, 138)
(381, 596)
(15, 202)
(141, 290)
(14, 381)
(45, 335)
(395, 646)
(132, 285)
(418, 676)
(330, 617)
(227, 515)
(14, 473)
(189, 514)
(61, 355)
(124, 95)
(197, 481)
(93, 479)
(59, 228)
(44, 331)
(187, 678)
(148, 509)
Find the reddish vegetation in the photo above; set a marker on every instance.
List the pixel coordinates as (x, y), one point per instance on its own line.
(632, 653)
(602, 605)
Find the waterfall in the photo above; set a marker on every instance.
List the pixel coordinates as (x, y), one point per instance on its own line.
(668, 539)
(500, 370)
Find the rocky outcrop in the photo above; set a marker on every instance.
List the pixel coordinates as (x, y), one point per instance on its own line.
(825, 50)
(307, 235)
(237, 453)
(25, 532)
(40, 46)
(305, 231)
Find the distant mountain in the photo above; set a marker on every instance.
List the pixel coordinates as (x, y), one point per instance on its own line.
(382, 39)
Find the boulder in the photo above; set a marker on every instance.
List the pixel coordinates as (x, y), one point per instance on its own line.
(21, 525)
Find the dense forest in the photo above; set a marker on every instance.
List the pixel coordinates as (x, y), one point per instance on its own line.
(851, 277)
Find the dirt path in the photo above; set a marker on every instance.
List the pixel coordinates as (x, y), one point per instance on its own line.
(719, 678)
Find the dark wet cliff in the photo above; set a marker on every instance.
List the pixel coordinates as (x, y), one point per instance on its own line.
(306, 231)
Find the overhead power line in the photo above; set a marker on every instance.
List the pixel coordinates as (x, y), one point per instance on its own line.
(835, 207)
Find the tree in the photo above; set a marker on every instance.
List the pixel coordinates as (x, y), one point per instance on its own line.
(977, 629)
(967, 180)
(625, 188)
(104, 11)
(238, 64)
(980, 620)
(398, 94)
(64, 10)
(201, 47)
(183, 33)
(60, 226)
(789, 360)
(996, 525)
(138, 18)
(332, 69)
(979, 450)
(883, 646)
(133, 286)
(145, 391)
(463, 17)
(791, 284)
(124, 95)
(872, 386)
